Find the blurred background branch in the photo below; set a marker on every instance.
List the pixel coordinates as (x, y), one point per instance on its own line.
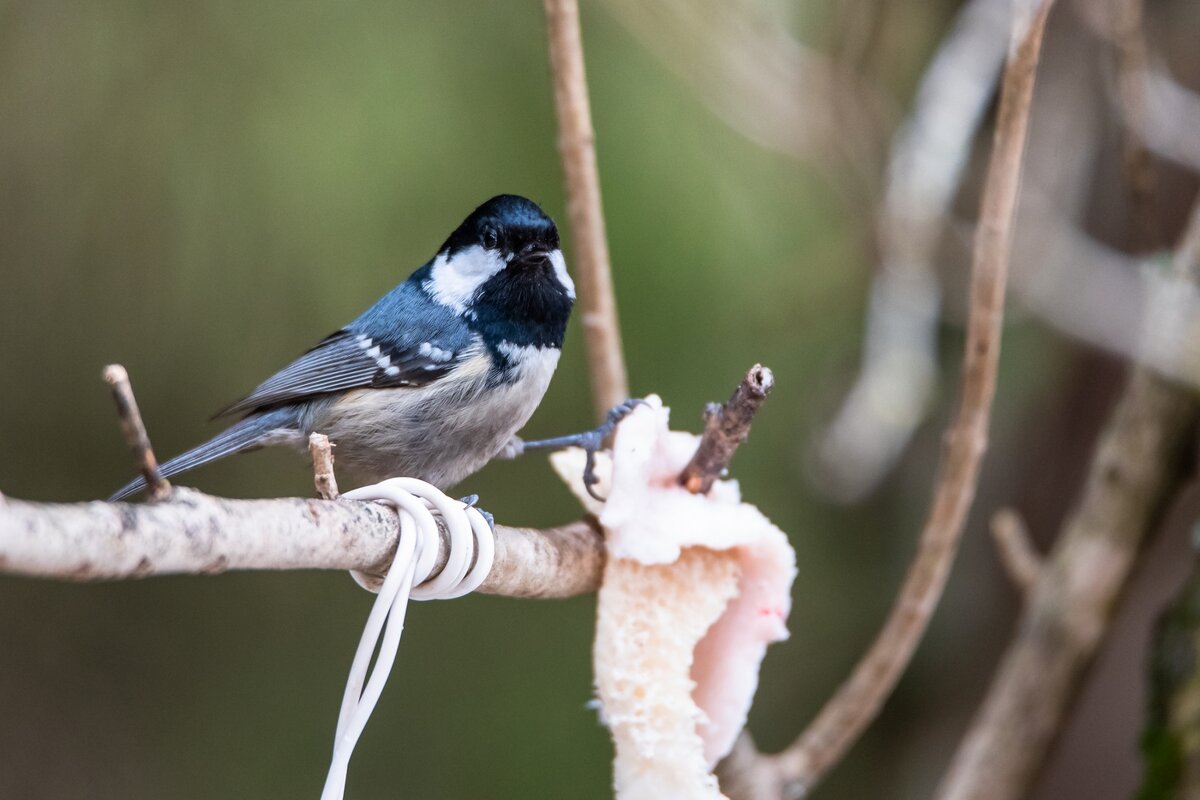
(741, 61)
(1171, 111)
(857, 701)
(1134, 473)
(893, 390)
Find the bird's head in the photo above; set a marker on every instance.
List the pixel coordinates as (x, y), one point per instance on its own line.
(504, 259)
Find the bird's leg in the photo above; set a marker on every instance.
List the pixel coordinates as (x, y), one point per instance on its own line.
(591, 441)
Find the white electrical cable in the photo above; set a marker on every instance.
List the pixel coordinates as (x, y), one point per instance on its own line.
(416, 553)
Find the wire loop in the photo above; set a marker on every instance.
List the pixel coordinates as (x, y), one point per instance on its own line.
(472, 548)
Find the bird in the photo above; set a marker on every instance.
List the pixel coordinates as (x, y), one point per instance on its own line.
(435, 379)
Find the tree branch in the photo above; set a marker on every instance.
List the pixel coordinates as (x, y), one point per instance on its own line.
(577, 147)
(1133, 474)
(726, 427)
(195, 533)
(859, 699)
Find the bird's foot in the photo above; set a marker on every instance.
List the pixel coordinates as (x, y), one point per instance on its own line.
(471, 500)
(590, 441)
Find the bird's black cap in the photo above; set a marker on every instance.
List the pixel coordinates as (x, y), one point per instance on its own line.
(506, 221)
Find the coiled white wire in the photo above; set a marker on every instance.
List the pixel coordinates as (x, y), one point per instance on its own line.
(416, 552)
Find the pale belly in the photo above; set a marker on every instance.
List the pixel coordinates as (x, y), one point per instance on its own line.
(440, 433)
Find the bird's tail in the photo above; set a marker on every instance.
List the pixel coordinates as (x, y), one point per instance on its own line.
(254, 431)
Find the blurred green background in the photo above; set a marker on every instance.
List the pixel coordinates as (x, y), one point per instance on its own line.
(202, 190)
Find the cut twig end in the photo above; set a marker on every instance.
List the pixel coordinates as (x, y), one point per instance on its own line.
(134, 430)
(725, 428)
(324, 479)
(760, 380)
(115, 374)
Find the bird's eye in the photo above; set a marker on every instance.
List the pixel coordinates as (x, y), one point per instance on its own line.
(491, 238)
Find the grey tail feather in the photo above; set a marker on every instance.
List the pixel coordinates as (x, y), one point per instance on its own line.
(249, 433)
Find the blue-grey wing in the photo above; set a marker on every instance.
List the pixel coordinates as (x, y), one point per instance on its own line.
(348, 360)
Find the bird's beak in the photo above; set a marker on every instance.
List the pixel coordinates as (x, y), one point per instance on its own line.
(533, 256)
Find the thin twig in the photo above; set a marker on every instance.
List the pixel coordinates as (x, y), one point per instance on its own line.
(1129, 40)
(577, 147)
(859, 699)
(135, 431)
(726, 427)
(1132, 476)
(1021, 561)
(195, 533)
(746, 774)
(322, 457)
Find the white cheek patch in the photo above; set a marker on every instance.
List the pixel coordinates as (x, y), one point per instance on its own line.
(560, 272)
(454, 280)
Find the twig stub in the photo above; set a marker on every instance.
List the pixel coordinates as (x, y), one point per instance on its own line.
(134, 430)
(324, 479)
(725, 428)
(1017, 554)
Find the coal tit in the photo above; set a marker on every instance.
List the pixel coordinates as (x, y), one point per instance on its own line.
(436, 378)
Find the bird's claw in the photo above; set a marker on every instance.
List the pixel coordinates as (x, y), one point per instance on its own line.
(589, 474)
(615, 415)
(470, 501)
(592, 441)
